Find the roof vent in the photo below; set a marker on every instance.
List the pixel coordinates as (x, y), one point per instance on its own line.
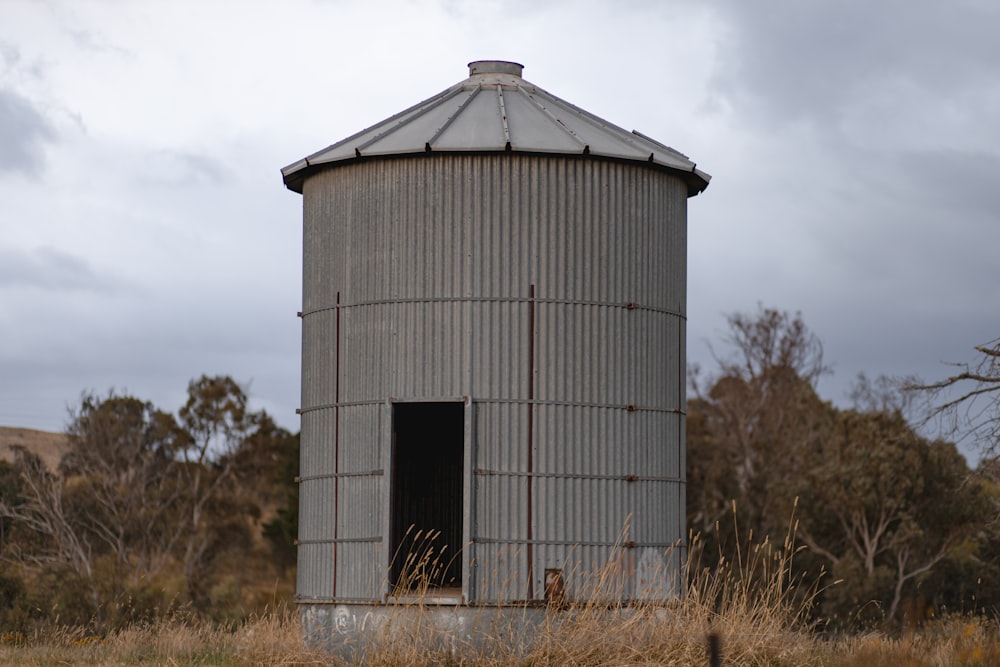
(495, 67)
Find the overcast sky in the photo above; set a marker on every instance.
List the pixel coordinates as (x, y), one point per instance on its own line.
(146, 237)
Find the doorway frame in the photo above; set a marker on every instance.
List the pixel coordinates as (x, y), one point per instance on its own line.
(468, 499)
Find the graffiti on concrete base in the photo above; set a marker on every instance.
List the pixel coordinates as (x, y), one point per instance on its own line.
(348, 622)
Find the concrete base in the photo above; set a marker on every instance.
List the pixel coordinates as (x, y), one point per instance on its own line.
(354, 631)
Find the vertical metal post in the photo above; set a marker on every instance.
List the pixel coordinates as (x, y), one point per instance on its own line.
(336, 445)
(531, 441)
(468, 496)
(681, 556)
(714, 650)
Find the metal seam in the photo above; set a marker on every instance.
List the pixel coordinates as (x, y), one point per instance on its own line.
(408, 118)
(628, 407)
(582, 476)
(451, 118)
(628, 305)
(503, 117)
(305, 599)
(339, 540)
(599, 124)
(339, 475)
(558, 123)
(569, 543)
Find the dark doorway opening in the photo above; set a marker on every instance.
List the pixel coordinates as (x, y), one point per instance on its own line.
(428, 445)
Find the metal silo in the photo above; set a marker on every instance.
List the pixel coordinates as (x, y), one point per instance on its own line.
(493, 347)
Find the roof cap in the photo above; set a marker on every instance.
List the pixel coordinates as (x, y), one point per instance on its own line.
(495, 67)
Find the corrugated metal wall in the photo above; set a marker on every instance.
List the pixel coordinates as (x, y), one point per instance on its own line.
(550, 291)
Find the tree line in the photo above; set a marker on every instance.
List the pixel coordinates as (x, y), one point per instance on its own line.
(150, 511)
(891, 526)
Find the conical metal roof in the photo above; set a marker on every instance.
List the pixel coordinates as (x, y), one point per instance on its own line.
(495, 110)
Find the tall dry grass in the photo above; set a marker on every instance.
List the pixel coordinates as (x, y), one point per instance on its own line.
(273, 638)
(751, 604)
(276, 639)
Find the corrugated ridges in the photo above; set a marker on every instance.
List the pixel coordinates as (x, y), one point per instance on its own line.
(497, 112)
(433, 261)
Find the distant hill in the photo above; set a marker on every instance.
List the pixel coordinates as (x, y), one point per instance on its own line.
(49, 446)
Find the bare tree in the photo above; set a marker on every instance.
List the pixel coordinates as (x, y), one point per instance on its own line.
(975, 409)
(63, 540)
(887, 395)
(772, 339)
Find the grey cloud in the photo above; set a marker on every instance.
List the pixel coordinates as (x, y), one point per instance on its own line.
(97, 42)
(200, 168)
(48, 269)
(9, 53)
(23, 134)
(962, 181)
(16, 64)
(179, 168)
(812, 60)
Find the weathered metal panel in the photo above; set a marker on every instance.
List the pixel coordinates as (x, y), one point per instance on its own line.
(434, 260)
(361, 498)
(501, 485)
(315, 574)
(317, 426)
(315, 568)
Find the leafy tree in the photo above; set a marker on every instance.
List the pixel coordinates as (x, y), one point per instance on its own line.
(118, 470)
(218, 422)
(878, 505)
(104, 517)
(750, 425)
(882, 502)
(141, 497)
(969, 580)
(270, 459)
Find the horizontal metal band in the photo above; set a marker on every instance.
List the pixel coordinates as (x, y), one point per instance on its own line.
(626, 305)
(559, 475)
(303, 599)
(577, 543)
(343, 404)
(339, 540)
(628, 407)
(338, 475)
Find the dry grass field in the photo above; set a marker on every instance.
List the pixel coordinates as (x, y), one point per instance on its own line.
(676, 638)
(759, 619)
